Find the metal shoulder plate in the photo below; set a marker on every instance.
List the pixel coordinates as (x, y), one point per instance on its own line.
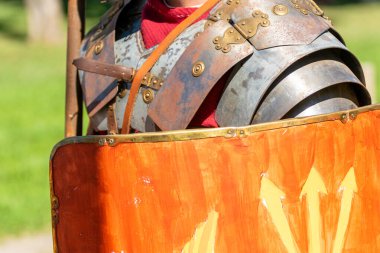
(235, 30)
(99, 45)
(283, 57)
(296, 59)
(130, 51)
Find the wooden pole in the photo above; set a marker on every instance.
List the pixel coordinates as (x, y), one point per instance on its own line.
(75, 33)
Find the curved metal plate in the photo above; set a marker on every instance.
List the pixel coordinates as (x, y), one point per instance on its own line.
(300, 83)
(183, 93)
(294, 28)
(247, 87)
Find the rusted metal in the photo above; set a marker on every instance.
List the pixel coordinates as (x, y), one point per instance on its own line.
(76, 27)
(177, 102)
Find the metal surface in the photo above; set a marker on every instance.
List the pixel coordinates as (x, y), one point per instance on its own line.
(249, 27)
(152, 81)
(148, 96)
(252, 80)
(198, 68)
(99, 46)
(222, 11)
(73, 108)
(291, 29)
(293, 37)
(280, 10)
(181, 96)
(231, 36)
(130, 51)
(302, 81)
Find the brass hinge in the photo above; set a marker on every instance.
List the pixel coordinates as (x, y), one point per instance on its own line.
(152, 81)
(241, 31)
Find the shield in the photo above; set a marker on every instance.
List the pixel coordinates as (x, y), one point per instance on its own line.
(300, 185)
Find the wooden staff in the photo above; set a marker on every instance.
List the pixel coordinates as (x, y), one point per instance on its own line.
(75, 33)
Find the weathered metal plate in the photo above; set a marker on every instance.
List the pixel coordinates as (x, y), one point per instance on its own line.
(184, 91)
(304, 185)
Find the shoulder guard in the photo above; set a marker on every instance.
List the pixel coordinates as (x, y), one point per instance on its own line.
(281, 55)
(99, 45)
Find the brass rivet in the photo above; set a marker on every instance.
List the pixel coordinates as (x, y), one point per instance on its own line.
(99, 47)
(102, 141)
(54, 203)
(198, 68)
(353, 115)
(343, 118)
(148, 96)
(304, 12)
(111, 141)
(280, 10)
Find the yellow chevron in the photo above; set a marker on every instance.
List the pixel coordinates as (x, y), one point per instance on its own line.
(203, 240)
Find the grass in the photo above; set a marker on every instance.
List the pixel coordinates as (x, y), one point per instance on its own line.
(31, 102)
(32, 108)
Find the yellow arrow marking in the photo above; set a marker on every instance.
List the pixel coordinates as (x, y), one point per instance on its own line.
(349, 187)
(312, 188)
(203, 240)
(271, 197)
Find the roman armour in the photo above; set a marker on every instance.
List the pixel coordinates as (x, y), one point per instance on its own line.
(283, 59)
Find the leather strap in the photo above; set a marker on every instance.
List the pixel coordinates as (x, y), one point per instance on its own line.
(154, 57)
(105, 69)
(111, 118)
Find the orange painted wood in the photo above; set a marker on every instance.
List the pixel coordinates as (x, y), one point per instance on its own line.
(152, 197)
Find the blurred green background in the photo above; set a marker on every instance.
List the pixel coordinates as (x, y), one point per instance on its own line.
(32, 78)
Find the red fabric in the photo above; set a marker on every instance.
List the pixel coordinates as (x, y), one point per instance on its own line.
(157, 21)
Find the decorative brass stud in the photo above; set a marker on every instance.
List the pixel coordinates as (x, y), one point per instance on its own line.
(102, 142)
(148, 96)
(280, 10)
(99, 47)
(54, 202)
(197, 35)
(353, 115)
(198, 68)
(343, 118)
